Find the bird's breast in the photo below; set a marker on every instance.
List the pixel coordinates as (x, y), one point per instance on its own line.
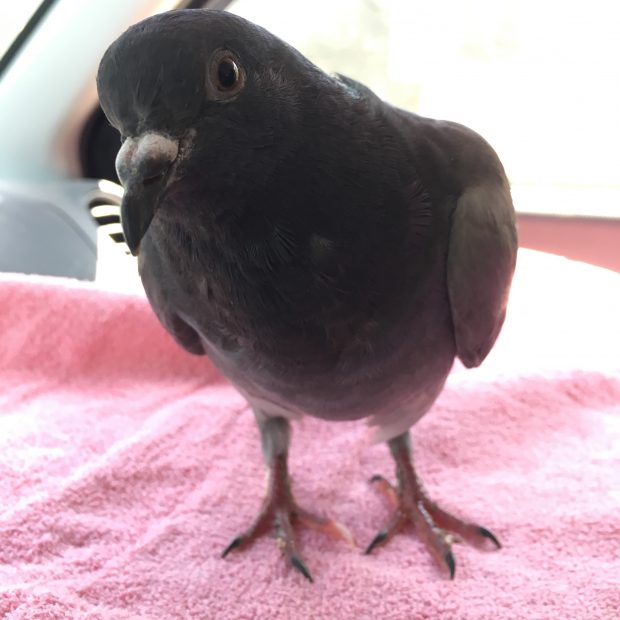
(311, 334)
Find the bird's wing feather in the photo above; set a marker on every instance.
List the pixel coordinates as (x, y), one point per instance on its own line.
(183, 333)
(154, 280)
(481, 260)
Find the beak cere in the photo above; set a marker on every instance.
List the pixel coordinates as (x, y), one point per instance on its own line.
(142, 165)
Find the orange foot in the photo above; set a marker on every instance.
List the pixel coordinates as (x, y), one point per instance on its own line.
(436, 527)
(280, 513)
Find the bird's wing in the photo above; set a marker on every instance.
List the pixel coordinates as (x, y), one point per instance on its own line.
(183, 333)
(154, 280)
(481, 260)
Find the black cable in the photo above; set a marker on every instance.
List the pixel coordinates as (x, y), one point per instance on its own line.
(24, 34)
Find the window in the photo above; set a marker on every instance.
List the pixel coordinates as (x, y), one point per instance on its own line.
(538, 80)
(13, 17)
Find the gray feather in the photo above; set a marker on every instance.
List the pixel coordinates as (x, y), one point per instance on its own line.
(481, 261)
(330, 253)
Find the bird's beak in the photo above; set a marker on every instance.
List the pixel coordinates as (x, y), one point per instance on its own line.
(142, 165)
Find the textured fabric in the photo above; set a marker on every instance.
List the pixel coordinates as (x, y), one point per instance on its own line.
(127, 465)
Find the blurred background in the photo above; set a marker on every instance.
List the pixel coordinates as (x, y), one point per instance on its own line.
(537, 78)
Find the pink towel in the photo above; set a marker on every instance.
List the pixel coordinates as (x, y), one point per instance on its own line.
(127, 465)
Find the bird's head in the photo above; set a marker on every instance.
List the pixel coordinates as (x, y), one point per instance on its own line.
(201, 99)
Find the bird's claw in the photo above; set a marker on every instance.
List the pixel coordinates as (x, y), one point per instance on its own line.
(298, 564)
(386, 489)
(234, 543)
(489, 536)
(450, 563)
(280, 515)
(437, 528)
(395, 525)
(377, 540)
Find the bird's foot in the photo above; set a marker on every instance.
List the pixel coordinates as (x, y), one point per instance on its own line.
(279, 513)
(436, 528)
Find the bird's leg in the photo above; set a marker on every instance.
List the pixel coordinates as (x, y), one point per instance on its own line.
(279, 511)
(412, 506)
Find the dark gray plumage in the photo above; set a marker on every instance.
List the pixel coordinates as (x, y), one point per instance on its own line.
(330, 253)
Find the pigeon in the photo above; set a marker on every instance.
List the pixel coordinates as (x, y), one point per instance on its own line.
(331, 254)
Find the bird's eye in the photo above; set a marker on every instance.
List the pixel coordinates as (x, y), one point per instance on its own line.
(226, 76)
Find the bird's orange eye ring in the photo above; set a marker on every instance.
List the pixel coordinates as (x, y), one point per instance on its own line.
(226, 77)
